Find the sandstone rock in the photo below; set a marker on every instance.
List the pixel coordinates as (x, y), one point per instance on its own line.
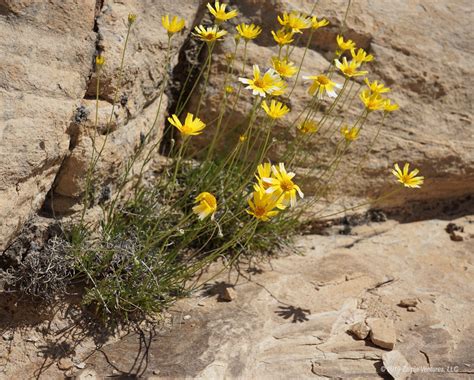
(228, 294)
(408, 302)
(46, 58)
(396, 365)
(382, 332)
(359, 330)
(65, 363)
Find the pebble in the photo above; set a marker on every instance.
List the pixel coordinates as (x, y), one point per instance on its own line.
(65, 363)
(187, 317)
(408, 302)
(382, 332)
(359, 330)
(396, 365)
(229, 294)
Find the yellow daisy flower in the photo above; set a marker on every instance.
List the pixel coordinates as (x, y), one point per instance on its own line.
(174, 25)
(280, 88)
(344, 45)
(349, 69)
(208, 34)
(376, 87)
(248, 32)
(242, 138)
(100, 60)
(308, 126)
(372, 102)
(207, 205)
(282, 37)
(389, 107)
(281, 183)
(322, 84)
(315, 24)
(361, 56)
(295, 21)
(132, 17)
(276, 110)
(219, 12)
(264, 206)
(408, 179)
(263, 171)
(190, 127)
(284, 67)
(350, 134)
(261, 84)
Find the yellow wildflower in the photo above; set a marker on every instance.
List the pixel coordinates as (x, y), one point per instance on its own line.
(322, 84)
(389, 107)
(408, 179)
(295, 21)
(248, 32)
(242, 138)
(263, 171)
(100, 60)
(361, 56)
(372, 102)
(174, 25)
(219, 12)
(349, 69)
(282, 37)
(280, 88)
(281, 183)
(315, 24)
(131, 18)
(284, 67)
(376, 87)
(350, 134)
(264, 206)
(208, 34)
(261, 84)
(190, 127)
(207, 205)
(308, 126)
(276, 110)
(344, 45)
(229, 89)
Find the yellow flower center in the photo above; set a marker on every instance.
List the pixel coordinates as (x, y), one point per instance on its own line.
(287, 185)
(259, 83)
(260, 211)
(186, 129)
(349, 70)
(209, 36)
(323, 80)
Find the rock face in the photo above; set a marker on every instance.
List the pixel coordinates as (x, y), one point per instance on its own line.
(47, 88)
(47, 82)
(423, 62)
(292, 315)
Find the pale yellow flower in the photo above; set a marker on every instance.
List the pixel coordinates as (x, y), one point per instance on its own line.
(191, 127)
(282, 37)
(209, 34)
(350, 134)
(248, 32)
(131, 18)
(408, 179)
(321, 85)
(284, 67)
(174, 25)
(372, 102)
(264, 206)
(376, 87)
(295, 21)
(100, 60)
(315, 24)
(308, 126)
(344, 45)
(361, 56)
(389, 107)
(276, 110)
(261, 85)
(281, 183)
(349, 69)
(207, 205)
(219, 13)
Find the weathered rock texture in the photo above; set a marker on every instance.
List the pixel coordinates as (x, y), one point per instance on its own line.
(47, 85)
(422, 53)
(291, 317)
(47, 91)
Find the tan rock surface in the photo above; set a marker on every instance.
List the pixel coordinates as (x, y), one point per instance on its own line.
(427, 66)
